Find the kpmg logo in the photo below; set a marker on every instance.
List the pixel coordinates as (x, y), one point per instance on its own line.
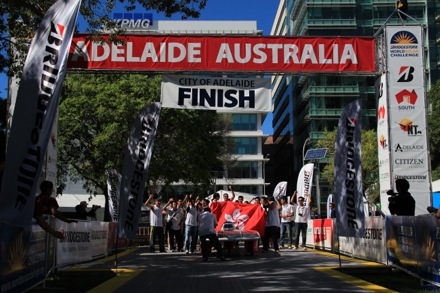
(404, 44)
(133, 20)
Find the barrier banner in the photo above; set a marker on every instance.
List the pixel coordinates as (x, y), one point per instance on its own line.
(428, 236)
(348, 193)
(225, 53)
(216, 93)
(35, 111)
(323, 233)
(76, 246)
(22, 261)
(402, 242)
(134, 172)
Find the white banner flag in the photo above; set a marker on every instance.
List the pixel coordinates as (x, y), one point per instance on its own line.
(113, 192)
(134, 172)
(216, 93)
(280, 190)
(348, 172)
(35, 111)
(305, 180)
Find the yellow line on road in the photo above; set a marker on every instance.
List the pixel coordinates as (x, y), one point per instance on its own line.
(123, 276)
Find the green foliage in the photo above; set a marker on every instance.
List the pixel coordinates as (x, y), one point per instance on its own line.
(20, 19)
(96, 114)
(369, 157)
(434, 129)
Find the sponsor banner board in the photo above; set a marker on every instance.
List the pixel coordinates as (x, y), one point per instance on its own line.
(401, 242)
(23, 261)
(76, 246)
(407, 120)
(99, 238)
(212, 93)
(383, 140)
(323, 233)
(225, 53)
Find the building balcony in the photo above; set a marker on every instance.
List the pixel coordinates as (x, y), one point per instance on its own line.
(331, 2)
(437, 16)
(331, 23)
(437, 38)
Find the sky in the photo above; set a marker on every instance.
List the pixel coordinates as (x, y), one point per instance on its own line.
(263, 11)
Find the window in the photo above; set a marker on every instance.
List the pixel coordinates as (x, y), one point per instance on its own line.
(245, 145)
(244, 170)
(244, 122)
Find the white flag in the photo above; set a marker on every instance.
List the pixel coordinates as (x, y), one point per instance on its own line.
(134, 172)
(305, 180)
(35, 111)
(348, 172)
(280, 190)
(113, 192)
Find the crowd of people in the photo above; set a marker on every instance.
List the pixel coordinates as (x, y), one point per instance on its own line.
(180, 224)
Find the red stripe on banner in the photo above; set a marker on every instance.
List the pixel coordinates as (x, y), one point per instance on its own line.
(225, 53)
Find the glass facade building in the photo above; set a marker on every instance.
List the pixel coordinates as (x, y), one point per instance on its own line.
(306, 105)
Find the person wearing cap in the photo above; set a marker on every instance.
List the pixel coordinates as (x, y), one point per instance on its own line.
(82, 213)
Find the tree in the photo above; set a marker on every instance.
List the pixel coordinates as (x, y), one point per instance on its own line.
(20, 19)
(96, 114)
(434, 129)
(369, 157)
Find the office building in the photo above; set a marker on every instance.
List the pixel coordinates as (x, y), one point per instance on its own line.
(305, 105)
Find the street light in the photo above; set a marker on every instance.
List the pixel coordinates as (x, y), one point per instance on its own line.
(304, 147)
(265, 159)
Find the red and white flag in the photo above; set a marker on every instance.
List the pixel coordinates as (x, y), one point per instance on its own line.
(348, 173)
(242, 216)
(305, 181)
(35, 111)
(134, 172)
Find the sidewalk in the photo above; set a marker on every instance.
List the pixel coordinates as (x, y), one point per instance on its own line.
(287, 271)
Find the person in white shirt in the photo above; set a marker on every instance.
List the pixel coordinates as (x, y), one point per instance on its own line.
(286, 214)
(192, 214)
(301, 217)
(174, 218)
(207, 224)
(156, 223)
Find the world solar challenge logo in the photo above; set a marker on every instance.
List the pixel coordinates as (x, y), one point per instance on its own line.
(404, 44)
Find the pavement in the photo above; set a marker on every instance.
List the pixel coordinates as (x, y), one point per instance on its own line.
(138, 270)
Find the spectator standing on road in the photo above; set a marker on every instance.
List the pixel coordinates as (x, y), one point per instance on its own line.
(192, 214)
(301, 217)
(226, 196)
(286, 214)
(207, 224)
(174, 218)
(272, 209)
(402, 203)
(156, 223)
(45, 204)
